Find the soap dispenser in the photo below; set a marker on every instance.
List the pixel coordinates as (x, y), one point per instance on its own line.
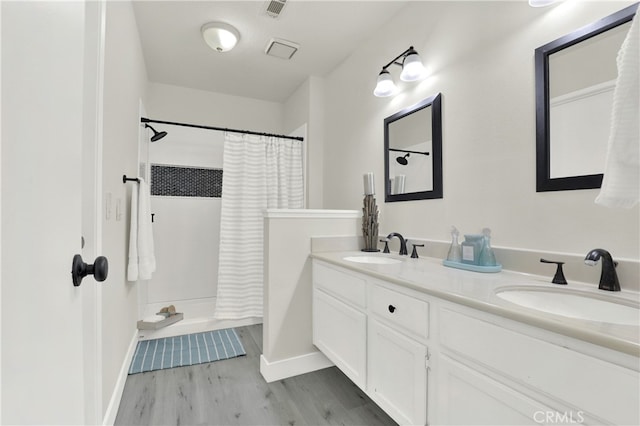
(455, 251)
(487, 257)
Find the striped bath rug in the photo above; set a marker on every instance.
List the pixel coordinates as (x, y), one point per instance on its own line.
(188, 349)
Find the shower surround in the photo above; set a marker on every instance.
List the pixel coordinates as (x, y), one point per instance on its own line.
(185, 171)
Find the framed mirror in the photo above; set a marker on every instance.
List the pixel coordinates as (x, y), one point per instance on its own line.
(575, 78)
(413, 152)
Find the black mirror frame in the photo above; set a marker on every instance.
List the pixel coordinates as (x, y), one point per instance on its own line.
(544, 182)
(435, 102)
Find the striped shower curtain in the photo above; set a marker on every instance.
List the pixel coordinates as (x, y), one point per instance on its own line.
(260, 172)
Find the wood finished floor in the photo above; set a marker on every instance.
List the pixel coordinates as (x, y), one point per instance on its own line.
(232, 392)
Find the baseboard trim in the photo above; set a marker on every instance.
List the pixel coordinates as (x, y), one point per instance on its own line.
(278, 370)
(114, 403)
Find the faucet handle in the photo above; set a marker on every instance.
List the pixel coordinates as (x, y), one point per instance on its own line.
(414, 252)
(558, 278)
(386, 245)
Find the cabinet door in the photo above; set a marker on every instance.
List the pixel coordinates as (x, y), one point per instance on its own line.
(340, 332)
(465, 396)
(397, 374)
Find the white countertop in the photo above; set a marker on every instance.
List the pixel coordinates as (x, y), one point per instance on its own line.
(478, 290)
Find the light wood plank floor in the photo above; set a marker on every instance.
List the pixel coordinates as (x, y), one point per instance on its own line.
(232, 392)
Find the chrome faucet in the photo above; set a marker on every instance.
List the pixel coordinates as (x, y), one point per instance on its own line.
(608, 276)
(403, 243)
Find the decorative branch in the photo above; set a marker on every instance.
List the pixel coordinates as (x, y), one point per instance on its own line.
(370, 223)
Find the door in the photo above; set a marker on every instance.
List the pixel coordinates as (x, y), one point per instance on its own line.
(340, 332)
(49, 369)
(397, 374)
(465, 396)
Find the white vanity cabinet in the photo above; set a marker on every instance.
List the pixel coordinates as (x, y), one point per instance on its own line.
(495, 371)
(397, 354)
(426, 359)
(339, 320)
(376, 337)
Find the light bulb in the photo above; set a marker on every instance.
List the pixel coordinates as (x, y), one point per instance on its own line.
(412, 68)
(385, 86)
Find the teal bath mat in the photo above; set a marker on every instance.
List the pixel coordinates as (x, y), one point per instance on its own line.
(188, 349)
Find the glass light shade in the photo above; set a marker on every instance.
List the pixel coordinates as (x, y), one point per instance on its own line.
(385, 85)
(219, 36)
(412, 68)
(541, 3)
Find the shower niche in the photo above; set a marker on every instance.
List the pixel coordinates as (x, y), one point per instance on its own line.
(413, 152)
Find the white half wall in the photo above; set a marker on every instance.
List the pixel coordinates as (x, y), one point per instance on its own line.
(287, 333)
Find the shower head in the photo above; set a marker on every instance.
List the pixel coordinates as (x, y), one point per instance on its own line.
(156, 135)
(403, 160)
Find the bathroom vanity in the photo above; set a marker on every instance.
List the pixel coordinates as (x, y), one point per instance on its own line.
(435, 345)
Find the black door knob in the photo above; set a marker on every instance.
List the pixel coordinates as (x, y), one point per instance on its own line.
(79, 269)
(392, 308)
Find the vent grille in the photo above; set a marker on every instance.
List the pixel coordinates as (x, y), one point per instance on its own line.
(282, 49)
(274, 7)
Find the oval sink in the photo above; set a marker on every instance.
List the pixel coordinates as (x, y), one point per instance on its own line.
(583, 306)
(376, 260)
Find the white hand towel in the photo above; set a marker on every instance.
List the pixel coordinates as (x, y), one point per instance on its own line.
(146, 255)
(142, 261)
(132, 268)
(621, 183)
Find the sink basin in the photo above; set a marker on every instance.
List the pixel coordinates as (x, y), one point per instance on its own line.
(585, 306)
(376, 260)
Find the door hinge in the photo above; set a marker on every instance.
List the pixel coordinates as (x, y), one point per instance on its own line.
(426, 359)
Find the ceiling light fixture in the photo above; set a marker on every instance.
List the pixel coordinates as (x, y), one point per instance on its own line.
(412, 70)
(541, 3)
(219, 36)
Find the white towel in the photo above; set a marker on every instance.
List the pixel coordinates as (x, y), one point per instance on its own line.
(142, 261)
(621, 183)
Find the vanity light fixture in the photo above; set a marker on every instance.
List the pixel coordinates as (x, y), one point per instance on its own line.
(412, 70)
(219, 36)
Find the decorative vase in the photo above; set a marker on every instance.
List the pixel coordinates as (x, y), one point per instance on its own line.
(370, 224)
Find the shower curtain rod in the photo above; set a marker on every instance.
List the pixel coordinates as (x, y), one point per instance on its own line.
(412, 152)
(222, 129)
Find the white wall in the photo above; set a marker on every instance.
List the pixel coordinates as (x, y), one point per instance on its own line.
(287, 334)
(306, 106)
(481, 58)
(186, 229)
(124, 86)
(181, 104)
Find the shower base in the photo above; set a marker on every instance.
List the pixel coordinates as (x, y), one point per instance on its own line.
(198, 317)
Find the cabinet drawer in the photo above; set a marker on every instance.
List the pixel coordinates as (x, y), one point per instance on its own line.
(602, 389)
(347, 287)
(408, 313)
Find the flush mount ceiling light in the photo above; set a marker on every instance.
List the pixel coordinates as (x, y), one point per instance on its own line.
(412, 70)
(219, 36)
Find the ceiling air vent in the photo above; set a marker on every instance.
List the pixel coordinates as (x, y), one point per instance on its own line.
(274, 7)
(279, 48)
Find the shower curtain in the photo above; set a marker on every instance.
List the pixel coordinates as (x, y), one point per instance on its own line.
(259, 172)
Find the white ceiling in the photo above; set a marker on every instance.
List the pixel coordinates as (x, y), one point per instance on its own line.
(327, 32)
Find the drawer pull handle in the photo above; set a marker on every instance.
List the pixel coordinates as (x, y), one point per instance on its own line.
(392, 308)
